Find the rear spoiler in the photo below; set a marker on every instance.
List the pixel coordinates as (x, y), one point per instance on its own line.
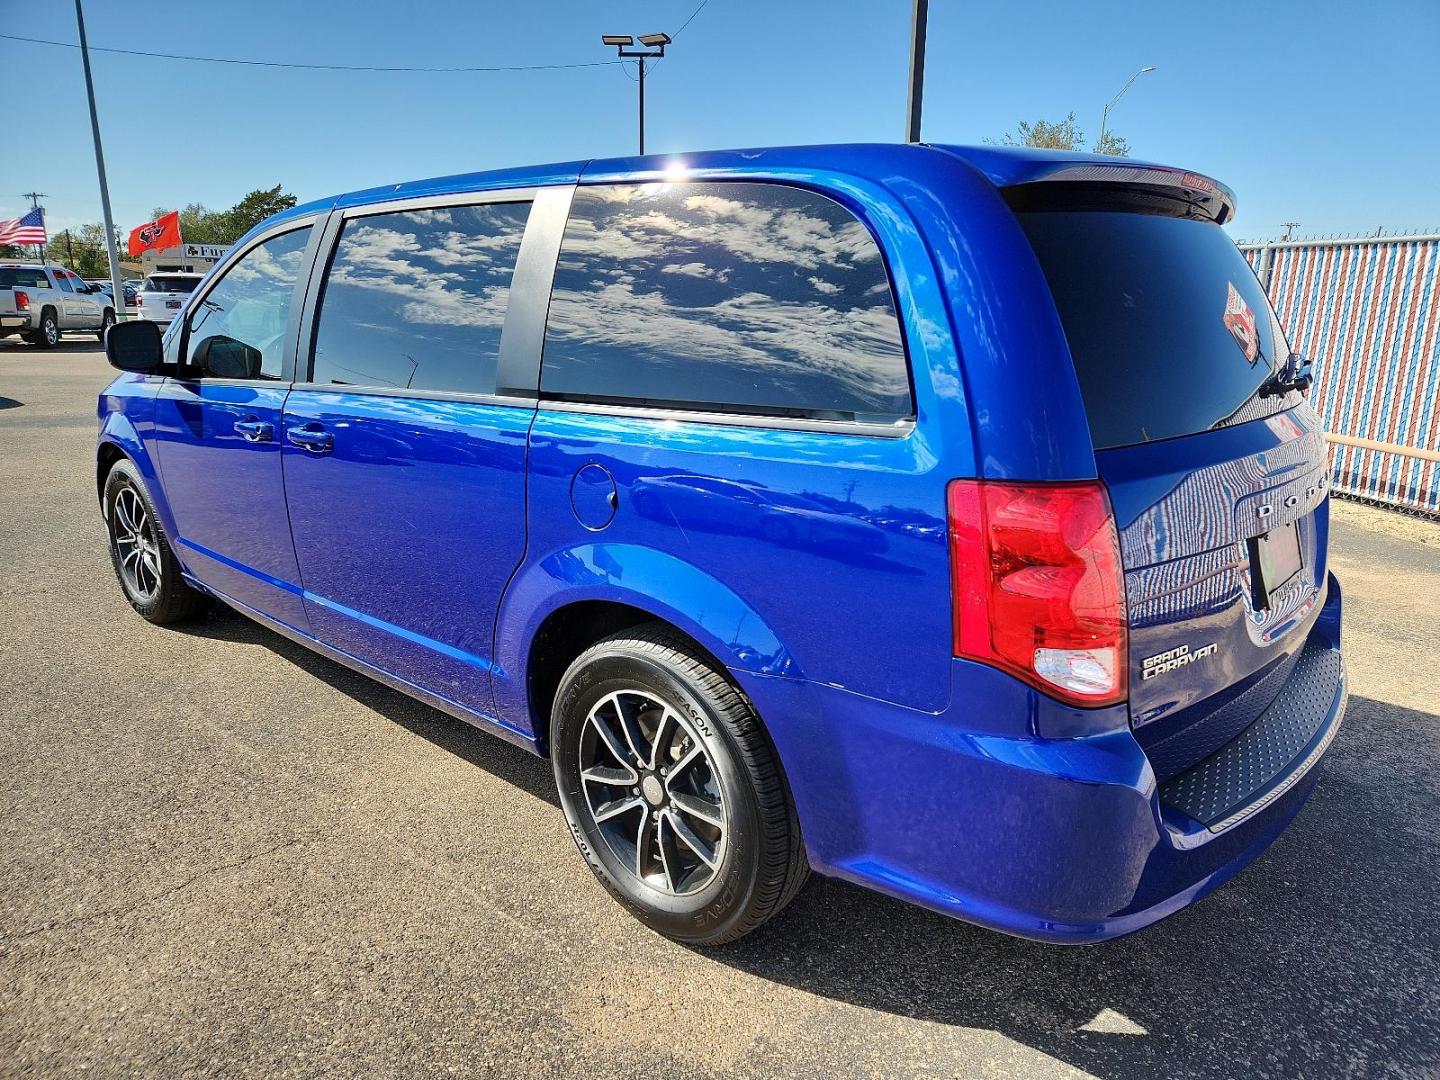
(1153, 188)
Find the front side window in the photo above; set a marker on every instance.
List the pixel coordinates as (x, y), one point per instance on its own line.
(416, 299)
(734, 297)
(249, 307)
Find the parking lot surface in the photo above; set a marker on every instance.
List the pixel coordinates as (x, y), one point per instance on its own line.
(223, 855)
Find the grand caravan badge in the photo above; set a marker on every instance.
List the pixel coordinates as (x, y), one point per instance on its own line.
(1174, 658)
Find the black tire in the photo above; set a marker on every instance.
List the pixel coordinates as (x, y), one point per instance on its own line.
(760, 865)
(171, 600)
(47, 334)
(106, 321)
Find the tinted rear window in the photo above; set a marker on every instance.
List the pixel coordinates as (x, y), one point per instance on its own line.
(20, 277)
(1155, 312)
(170, 284)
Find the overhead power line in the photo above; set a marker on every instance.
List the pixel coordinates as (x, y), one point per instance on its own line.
(308, 67)
(688, 21)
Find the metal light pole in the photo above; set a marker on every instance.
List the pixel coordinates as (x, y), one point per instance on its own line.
(117, 293)
(917, 70)
(655, 46)
(1105, 113)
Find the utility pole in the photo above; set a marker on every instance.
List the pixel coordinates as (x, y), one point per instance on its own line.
(917, 70)
(116, 291)
(655, 46)
(1290, 227)
(35, 197)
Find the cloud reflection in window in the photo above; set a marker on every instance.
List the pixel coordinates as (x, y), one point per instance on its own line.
(757, 296)
(417, 299)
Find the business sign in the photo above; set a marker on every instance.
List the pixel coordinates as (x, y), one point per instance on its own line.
(205, 251)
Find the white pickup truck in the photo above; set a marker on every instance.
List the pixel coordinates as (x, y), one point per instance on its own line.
(42, 302)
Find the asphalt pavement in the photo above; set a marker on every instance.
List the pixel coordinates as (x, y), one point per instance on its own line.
(221, 855)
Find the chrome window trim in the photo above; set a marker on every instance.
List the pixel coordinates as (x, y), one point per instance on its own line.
(875, 429)
(439, 202)
(462, 397)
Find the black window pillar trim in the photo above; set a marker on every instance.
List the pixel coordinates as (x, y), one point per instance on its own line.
(517, 373)
(301, 356)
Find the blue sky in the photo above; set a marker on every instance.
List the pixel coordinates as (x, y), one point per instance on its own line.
(1318, 112)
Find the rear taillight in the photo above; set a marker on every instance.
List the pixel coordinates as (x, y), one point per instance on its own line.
(1038, 586)
(22, 300)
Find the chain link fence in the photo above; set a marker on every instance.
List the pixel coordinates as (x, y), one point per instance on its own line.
(1365, 310)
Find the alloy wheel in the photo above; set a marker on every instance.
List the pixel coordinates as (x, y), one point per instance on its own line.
(137, 544)
(51, 330)
(652, 791)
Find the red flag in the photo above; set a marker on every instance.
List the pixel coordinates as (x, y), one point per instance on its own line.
(160, 234)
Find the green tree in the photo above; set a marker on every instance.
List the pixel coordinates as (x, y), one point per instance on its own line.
(1112, 144)
(201, 225)
(83, 249)
(253, 209)
(1061, 135)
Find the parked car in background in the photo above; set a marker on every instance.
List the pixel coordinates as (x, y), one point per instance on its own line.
(130, 289)
(910, 514)
(41, 302)
(162, 295)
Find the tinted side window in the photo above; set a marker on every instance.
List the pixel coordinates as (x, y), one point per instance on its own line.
(417, 299)
(64, 283)
(740, 297)
(251, 303)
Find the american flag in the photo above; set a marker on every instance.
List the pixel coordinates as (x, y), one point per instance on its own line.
(29, 229)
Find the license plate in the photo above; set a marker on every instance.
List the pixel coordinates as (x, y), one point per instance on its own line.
(1275, 559)
(173, 303)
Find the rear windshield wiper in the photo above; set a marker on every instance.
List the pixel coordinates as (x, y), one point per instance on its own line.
(1297, 373)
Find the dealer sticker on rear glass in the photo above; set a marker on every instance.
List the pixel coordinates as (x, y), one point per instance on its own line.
(1240, 321)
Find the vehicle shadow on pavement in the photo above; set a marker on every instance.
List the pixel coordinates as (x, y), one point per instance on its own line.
(1318, 960)
(479, 748)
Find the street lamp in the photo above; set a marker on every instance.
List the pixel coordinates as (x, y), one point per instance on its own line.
(1105, 113)
(654, 50)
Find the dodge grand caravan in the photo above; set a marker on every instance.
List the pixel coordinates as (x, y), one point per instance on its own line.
(947, 520)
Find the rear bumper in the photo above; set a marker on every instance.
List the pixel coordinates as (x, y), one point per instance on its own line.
(1013, 812)
(11, 322)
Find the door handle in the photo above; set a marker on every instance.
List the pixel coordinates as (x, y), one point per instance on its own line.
(312, 438)
(255, 431)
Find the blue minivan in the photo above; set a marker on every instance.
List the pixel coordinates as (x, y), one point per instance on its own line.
(948, 520)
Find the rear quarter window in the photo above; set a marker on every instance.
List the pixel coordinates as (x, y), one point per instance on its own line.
(1144, 299)
(20, 277)
(725, 296)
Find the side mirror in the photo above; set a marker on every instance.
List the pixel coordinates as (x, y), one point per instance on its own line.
(134, 346)
(222, 357)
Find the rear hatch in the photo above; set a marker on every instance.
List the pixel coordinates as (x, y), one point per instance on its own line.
(162, 296)
(1214, 462)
